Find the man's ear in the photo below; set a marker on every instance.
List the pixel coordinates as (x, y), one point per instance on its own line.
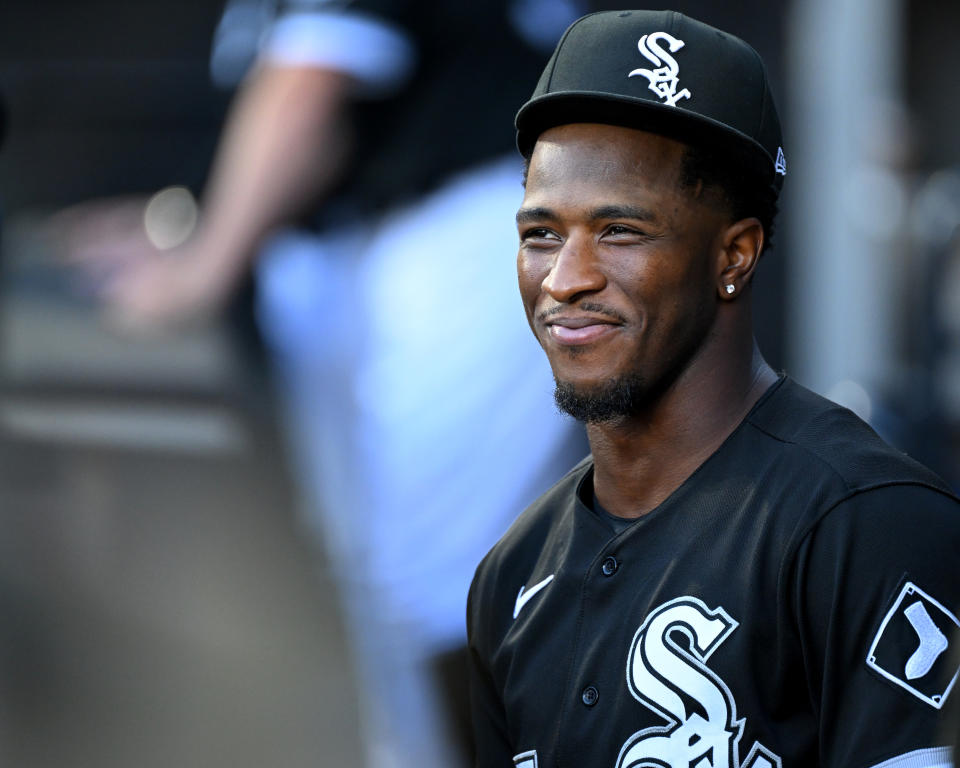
(741, 244)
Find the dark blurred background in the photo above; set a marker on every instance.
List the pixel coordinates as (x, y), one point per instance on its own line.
(107, 97)
(158, 605)
(157, 602)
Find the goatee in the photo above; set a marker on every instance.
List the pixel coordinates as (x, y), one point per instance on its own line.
(612, 400)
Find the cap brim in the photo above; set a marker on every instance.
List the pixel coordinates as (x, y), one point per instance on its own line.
(554, 109)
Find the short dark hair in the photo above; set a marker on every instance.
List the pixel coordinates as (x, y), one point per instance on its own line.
(742, 190)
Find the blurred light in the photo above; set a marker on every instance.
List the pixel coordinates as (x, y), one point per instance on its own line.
(875, 201)
(936, 210)
(852, 395)
(170, 217)
(541, 22)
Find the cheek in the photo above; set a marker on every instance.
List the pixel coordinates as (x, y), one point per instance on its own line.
(530, 276)
(687, 309)
(666, 292)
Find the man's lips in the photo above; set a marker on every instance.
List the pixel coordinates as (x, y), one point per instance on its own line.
(573, 330)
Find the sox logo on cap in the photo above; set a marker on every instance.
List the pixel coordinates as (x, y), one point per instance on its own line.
(663, 79)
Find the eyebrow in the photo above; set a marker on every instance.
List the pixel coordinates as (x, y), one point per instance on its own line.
(528, 215)
(622, 212)
(533, 214)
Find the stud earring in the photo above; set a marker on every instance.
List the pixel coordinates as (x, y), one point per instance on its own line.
(730, 288)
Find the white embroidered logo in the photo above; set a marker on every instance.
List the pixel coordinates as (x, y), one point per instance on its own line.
(663, 79)
(527, 760)
(781, 165)
(911, 648)
(524, 597)
(932, 642)
(667, 673)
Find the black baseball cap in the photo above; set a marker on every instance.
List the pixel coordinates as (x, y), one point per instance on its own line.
(663, 72)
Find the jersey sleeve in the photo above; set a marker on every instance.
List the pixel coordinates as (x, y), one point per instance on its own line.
(487, 712)
(877, 593)
(366, 39)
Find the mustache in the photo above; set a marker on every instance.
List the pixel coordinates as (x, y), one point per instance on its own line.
(592, 307)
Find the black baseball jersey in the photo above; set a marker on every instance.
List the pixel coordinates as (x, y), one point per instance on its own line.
(793, 603)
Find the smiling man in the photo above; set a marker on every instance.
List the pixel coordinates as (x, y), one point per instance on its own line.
(741, 574)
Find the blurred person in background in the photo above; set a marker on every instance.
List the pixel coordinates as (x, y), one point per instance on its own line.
(418, 407)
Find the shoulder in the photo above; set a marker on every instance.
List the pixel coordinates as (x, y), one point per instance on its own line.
(806, 465)
(913, 525)
(866, 507)
(816, 434)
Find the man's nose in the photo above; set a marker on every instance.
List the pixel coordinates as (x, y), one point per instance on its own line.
(575, 270)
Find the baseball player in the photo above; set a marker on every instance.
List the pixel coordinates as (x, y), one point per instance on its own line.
(742, 574)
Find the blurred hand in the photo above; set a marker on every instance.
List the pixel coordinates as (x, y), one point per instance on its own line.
(166, 289)
(141, 286)
(98, 236)
(283, 146)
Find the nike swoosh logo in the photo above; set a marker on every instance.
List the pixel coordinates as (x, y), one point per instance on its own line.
(524, 597)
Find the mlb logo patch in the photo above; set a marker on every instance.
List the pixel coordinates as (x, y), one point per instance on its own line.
(914, 647)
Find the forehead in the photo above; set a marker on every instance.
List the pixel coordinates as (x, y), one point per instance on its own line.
(581, 157)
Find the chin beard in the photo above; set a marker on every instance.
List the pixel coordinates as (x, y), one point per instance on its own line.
(610, 401)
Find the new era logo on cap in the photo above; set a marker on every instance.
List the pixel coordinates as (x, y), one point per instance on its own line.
(780, 166)
(699, 84)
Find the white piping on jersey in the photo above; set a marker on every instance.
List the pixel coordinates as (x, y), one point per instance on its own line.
(932, 757)
(524, 597)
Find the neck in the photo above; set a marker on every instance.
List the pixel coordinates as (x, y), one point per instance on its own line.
(639, 461)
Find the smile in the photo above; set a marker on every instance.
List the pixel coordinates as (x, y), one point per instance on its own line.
(579, 330)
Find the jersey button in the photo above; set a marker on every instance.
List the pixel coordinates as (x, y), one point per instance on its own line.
(609, 566)
(590, 696)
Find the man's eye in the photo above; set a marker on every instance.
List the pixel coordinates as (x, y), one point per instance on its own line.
(621, 234)
(537, 233)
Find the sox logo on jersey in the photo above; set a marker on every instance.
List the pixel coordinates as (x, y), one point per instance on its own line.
(668, 657)
(660, 671)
